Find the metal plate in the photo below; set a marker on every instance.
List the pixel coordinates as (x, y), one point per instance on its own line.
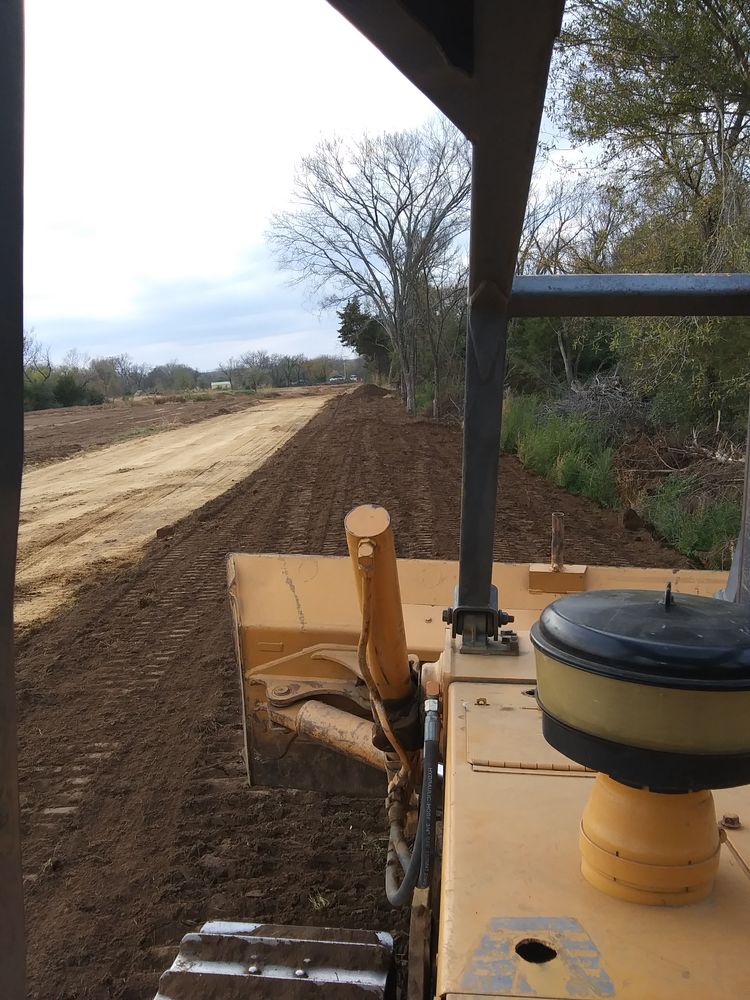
(233, 961)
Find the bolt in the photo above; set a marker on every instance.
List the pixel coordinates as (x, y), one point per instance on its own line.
(281, 691)
(427, 621)
(254, 970)
(731, 821)
(300, 974)
(481, 701)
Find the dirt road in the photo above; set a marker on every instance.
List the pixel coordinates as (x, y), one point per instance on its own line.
(137, 821)
(51, 435)
(101, 507)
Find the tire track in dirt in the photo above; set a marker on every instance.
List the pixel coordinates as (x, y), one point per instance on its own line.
(130, 730)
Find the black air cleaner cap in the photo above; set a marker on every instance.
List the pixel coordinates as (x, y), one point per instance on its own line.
(645, 636)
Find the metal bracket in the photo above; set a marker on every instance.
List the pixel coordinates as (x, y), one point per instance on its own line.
(480, 626)
(506, 644)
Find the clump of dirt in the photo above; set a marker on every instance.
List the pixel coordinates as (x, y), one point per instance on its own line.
(370, 391)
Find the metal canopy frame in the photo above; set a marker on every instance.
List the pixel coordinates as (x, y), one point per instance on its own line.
(631, 295)
(485, 65)
(12, 949)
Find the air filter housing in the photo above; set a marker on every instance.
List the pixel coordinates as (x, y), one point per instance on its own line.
(652, 689)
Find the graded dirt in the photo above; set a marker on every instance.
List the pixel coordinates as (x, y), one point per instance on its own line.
(51, 435)
(103, 505)
(137, 821)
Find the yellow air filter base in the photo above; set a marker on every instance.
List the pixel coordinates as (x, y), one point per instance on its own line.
(647, 847)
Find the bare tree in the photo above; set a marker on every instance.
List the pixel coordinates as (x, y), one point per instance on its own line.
(104, 370)
(232, 370)
(276, 369)
(572, 227)
(132, 375)
(370, 217)
(289, 368)
(37, 365)
(444, 299)
(256, 365)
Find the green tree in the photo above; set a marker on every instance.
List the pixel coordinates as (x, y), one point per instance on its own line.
(663, 86)
(361, 331)
(172, 377)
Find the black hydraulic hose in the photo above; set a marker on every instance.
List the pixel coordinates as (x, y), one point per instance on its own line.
(398, 895)
(429, 799)
(419, 869)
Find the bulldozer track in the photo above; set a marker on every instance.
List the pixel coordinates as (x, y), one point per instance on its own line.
(138, 825)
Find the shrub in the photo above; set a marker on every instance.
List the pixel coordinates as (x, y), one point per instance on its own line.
(39, 395)
(694, 521)
(602, 482)
(570, 471)
(94, 397)
(68, 391)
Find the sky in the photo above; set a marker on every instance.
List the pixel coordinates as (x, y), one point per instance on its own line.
(161, 135)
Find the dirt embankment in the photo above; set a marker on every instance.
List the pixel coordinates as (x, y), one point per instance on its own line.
(137, 822)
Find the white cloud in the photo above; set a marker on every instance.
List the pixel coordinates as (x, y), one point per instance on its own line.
(161, 135)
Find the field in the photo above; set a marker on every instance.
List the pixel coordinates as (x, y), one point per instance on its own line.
(137, 822)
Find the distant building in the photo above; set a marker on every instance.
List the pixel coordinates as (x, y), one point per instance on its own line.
(221, 385)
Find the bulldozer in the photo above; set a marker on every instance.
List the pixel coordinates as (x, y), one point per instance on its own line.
(563, 750)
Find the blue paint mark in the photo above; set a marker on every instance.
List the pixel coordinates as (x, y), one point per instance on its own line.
(496, 968)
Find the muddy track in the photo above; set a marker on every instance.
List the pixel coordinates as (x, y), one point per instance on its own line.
(137, 822)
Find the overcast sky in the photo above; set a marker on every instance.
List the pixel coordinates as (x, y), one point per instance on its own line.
(160, 137)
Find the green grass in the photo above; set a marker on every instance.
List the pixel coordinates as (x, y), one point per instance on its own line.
(423, 398)
(694, 522)
(571, 451)
(577, 454)
(520, 415)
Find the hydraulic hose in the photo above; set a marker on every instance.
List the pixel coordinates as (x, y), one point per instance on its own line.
(397, 894)
(429, 798)
(419, 869)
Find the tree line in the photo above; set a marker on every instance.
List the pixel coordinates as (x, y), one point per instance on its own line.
(255, 369)
(78, 380)
(657, 94)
